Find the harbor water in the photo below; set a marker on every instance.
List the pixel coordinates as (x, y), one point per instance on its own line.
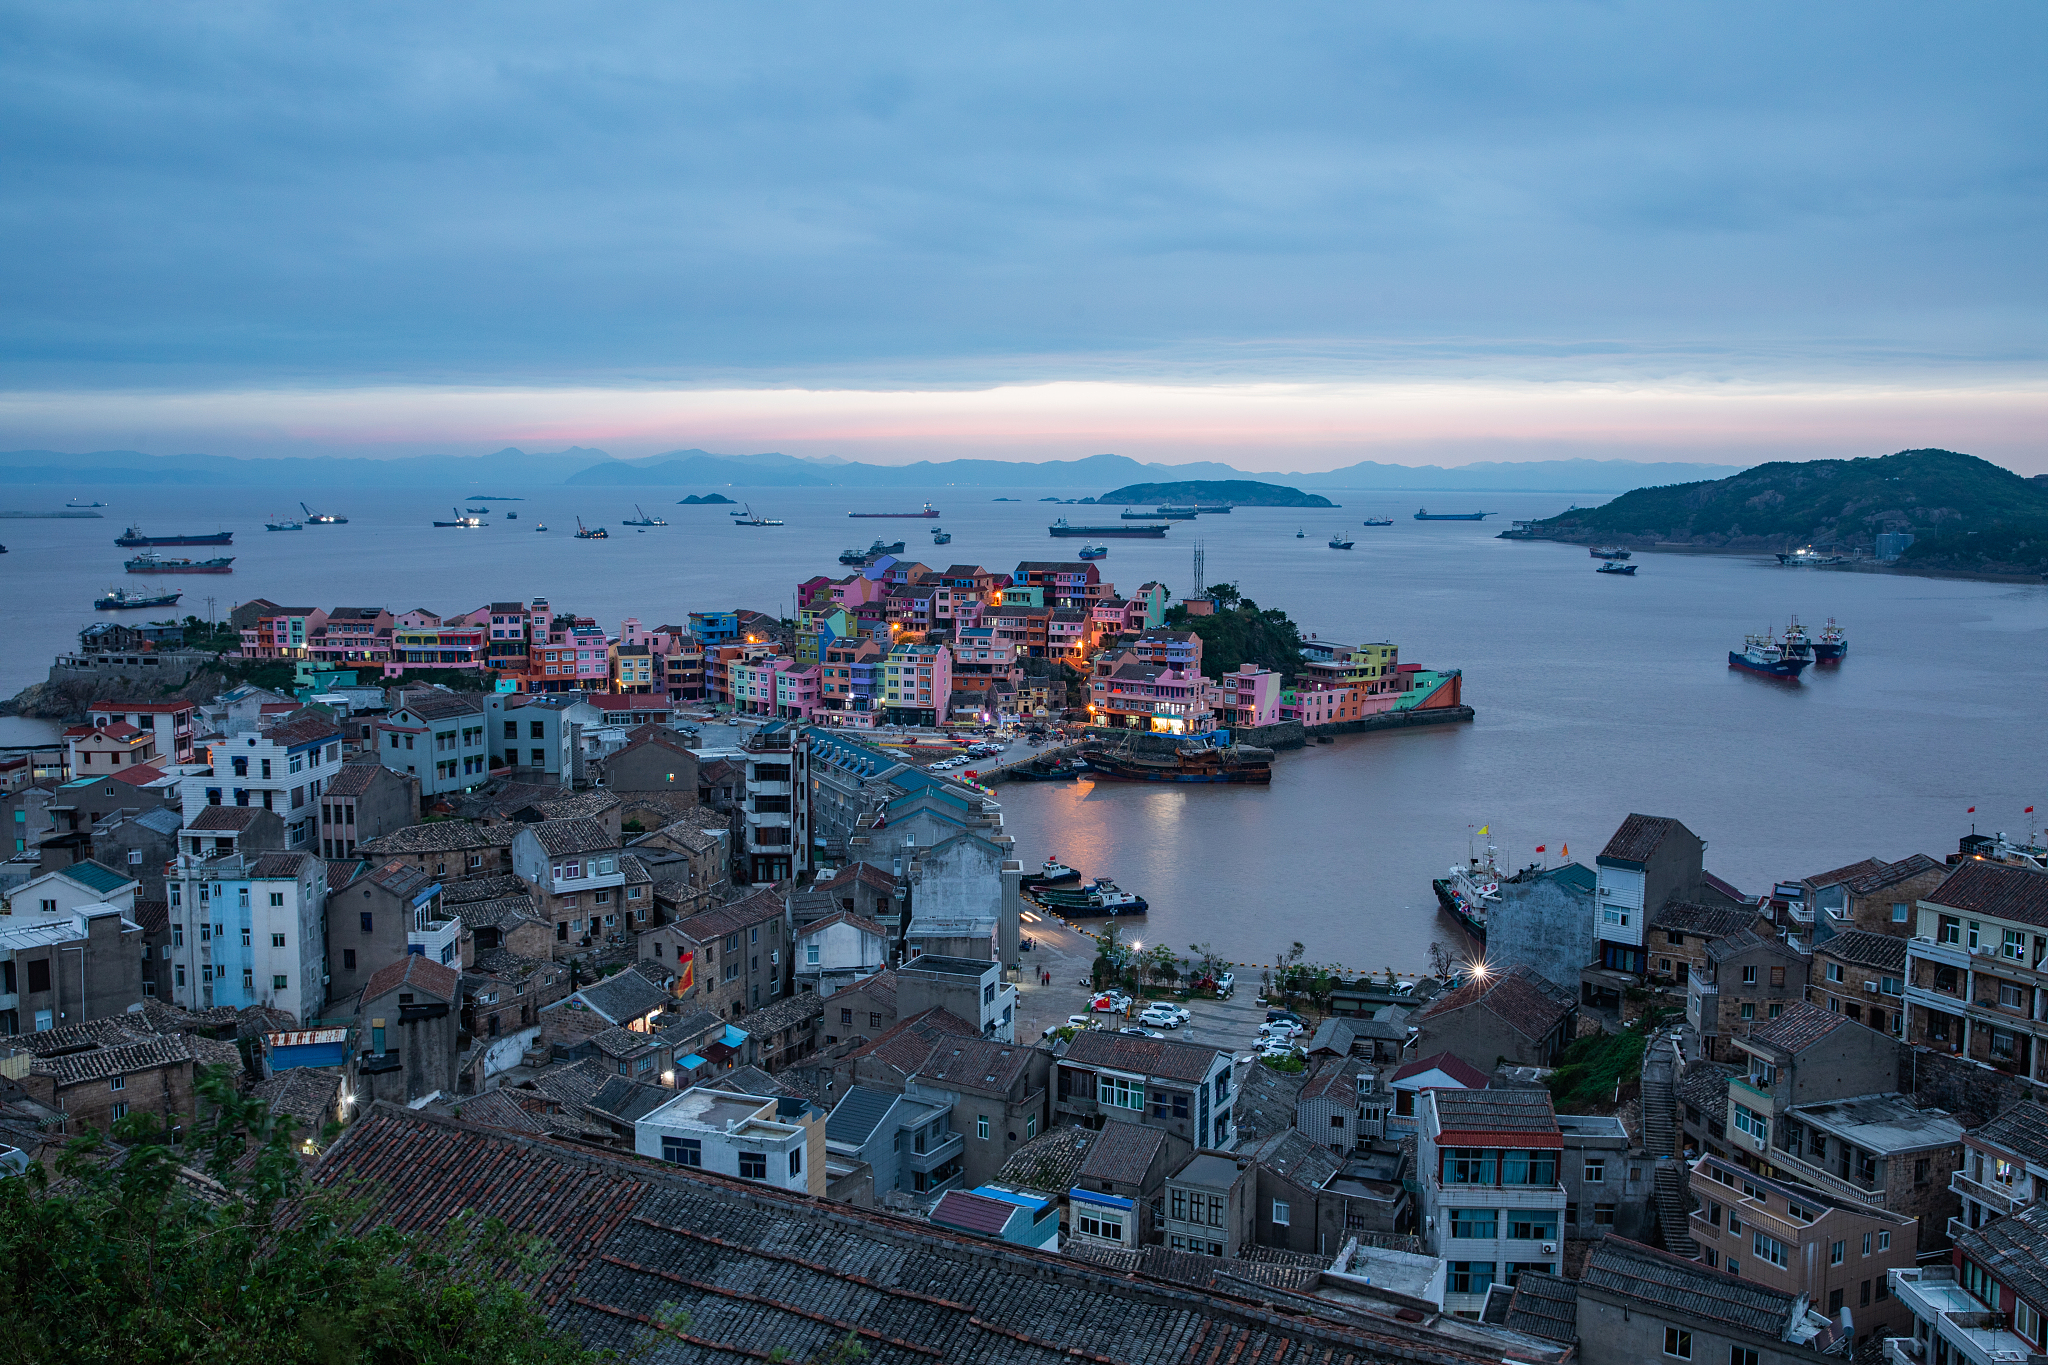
(1595, 695)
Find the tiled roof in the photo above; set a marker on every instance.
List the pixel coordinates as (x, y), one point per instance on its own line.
(96, 876)
(401, 879)
(1995, 889)
(730, 919)
(626, 1101)
(1293, 1156)
(418, 971)
(1336, 1076)
(792, 1011)
(2021, 1128)
(860, 922)
(579, 834)
(1885, 952)
(305, 1093)
(866, 873)
(1333, 1035)
(488, 888)
(1160, 1057)
(498, 1109)
(501, 913)
(1519, 998)
(1837, 875)
(305, 727)
(1638, 838)
(1704, 1086)
(972, 1212)
(623, 996)
(1708, 921)
(618, 1042)
(342, 872)
(908, 1045)
(1495, 1111)
(1656, 1277)
(212, 1052)
(152, 916)
(635, 870)
(1800, 1026)
(138, 775)
(1471, 1077)
(877, 991)
(437, 836)
(1892, 874)
(1749, 941)
(98, 1063)
(284, 866)
(859, 1110)
(111, 1032)
(577, 805)
(1049, 1162)
(686, 1030)
(1545, 1306)
(973, 1064)
(1273, 1268)
(1265, 1102)
(572, 1085)
(354, 779)
(2015, 1250)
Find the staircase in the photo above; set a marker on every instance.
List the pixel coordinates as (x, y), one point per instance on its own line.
(1660, 1139)
(1673, 1209)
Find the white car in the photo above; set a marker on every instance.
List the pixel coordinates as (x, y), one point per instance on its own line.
(1274, 1047)
(1081, 1021)
(1161, 1018)
(1281, 1028)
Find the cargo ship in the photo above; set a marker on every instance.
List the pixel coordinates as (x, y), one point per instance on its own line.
(638, 519)
(1129, 515)
(1148, 530)
(1424, 514)
(123, 599)
(1810, 558)
(1178, 513)
(1221, 509)
(929, 512)
(1377, 521)
(466, 523)
(133, 538)
(1831, 645)
(1762, 656)
(1235, 763)
(149, 563)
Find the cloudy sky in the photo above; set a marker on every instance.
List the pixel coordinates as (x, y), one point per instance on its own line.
(1288, 236)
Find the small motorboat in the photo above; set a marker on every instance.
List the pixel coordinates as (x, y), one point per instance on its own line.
(540, 526)
(940, 537)
(1094, 551)
(511, 516)
(1301, 535)
(1612, 567)
(1337, 542)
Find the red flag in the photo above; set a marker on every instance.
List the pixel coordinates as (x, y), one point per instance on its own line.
(1539, 848)
(1971, 811)
(2030, 810)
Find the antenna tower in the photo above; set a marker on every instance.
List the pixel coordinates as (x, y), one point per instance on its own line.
(1201, 570)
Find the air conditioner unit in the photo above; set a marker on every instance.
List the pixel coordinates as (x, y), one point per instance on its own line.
(1550, 1248)
(1870, 986)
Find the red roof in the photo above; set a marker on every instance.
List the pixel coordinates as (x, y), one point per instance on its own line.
(1467, 1075)
(138, 774)
(415, 969)
(973, 1212)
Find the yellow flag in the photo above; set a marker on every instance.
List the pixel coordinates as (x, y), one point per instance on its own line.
(1483, 829)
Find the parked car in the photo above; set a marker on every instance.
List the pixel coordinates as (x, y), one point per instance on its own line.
(1279, 1050)
(1280, 1028)
(1140, 1033)
(1160, 1016)
(1274, 1015)
(1115, 1004)
(1225, 982)
(1081, 1021)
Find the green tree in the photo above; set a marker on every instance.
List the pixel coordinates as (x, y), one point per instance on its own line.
(127, 1257)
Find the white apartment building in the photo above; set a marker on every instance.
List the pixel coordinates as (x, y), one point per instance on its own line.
(282, 768)
(249, 929)
(778, 1142)
(1492, 1200)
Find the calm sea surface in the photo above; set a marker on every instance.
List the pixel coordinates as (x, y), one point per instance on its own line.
(1595, 696)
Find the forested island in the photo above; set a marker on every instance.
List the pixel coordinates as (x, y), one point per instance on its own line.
(1964, 514)
(1211, 492)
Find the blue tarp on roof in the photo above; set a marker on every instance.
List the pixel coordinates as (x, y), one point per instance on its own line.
(690, 1061)
(734, 1037)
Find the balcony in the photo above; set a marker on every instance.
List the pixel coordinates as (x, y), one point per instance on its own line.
(936, 1154)
(1998, 1199)
(1904, 1351)
(1948, 954)
(1932, 1295)
(437, 939)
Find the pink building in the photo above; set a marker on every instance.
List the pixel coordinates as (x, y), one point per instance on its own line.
(796, 691)
(1250, 696)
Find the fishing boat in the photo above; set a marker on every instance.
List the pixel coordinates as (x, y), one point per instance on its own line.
(1237, 763)
(76, 503)
(148, 562)
(1100, 897)
(123, 599)
(1831, 645)
(1627, 570)
(879, 547)
(1762, 655)
(133, 538)
(591, 532)
(1046, 770)
(1149, 530)
(1425, 514)
(1301, 535)
(463, 522)
(540, 526)
(926, 513)
(283, 526)
(1608, 552)
(1471, 890)
(1337, 542)
(940, 537)
(1378, 521)
(321, 518)
(1094, 551)
(1797, 644)
(1809, 558)
(642, 519)
(511, 516)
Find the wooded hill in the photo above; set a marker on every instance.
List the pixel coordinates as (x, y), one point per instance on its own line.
(1964, 513)
(1237, 492)
(1240, 633)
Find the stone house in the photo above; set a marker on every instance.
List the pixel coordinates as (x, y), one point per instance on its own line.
(1184, 1088)
(365, 801)
(1607, 1186)
(1878, 1150)
(445, 848)
(1636, 1304)
(408, 1022)
(786, 1031)
(1975, 973)
(1701, 1097)
(498, 913)
(996, 1092)
(141, 843)
(372, 919)
(1879, 900)
(1805, 1056)
(690, 860)
(865, 1010)
(736, 955)
(1311, 1200)
(1209, 1205)
(1682, 931)
(1545, 919)
(1121, 1183)
(1751, 978)
(1862, 974)
(2005, 1166)
(577, 874)
(653, 763)
(1342, 1105)
(1515, 1016)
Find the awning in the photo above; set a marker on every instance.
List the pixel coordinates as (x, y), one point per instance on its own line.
(690, 1061)
(734, 1037)
(1106, 1200)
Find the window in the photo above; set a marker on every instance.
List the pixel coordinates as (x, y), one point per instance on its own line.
(1030, 1126)
(1866, 1243)
(1748, 1011)
(1596, 1172)
(1470, 1277)
(1749, 976)
(117, 1111)
(369, 921)
(277, 983)
(1603, 1215)
(1473, 1223)
(1121, 1092)
(1735, 1268)
(348, 959)
(1533, 1227)
(753, 1165)
(810, 954)
(1834, 1301)
(1281, 1213)
(2026, 1321)
(1755, 1124)
(1468, 1166)
(796, 1161)
(2014, 946)
(682, 1151)
(1180, 1205)
(1095, 1225)
(277, 940)
(981, 1126)
(117, 1082)
(1738, 1355)
(1519, 1167)
(1893, 985)
(1979, 1283)
(2011, 996)
(1834, 971)
(1678, 1343)
(1769, 1248)
(1836, 1251)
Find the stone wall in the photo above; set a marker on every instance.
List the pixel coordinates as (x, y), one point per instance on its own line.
(1941, 1080)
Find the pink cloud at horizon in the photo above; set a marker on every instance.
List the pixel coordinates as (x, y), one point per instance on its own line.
(1272, 426)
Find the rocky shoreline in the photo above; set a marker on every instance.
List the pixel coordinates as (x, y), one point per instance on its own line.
(67, 701)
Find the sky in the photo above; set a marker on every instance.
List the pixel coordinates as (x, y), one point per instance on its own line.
(1290, 237)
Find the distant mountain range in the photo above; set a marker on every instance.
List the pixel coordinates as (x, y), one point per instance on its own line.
(700, 469)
